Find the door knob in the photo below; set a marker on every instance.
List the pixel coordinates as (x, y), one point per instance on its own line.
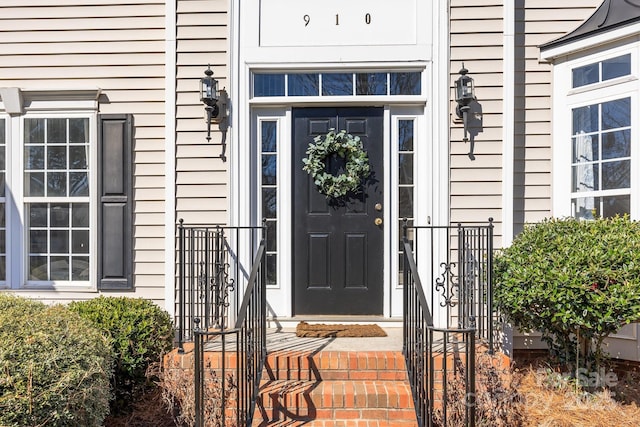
(378, 207)
(377, 221)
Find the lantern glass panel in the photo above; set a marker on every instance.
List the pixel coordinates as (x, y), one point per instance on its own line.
(464, 88)
(209, 88)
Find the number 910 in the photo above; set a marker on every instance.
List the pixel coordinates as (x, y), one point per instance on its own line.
(307, 19)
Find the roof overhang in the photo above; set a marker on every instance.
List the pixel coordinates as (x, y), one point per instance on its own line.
(550, 52)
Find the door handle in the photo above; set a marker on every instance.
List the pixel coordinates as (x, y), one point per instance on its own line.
(377, 221)
(378, 207)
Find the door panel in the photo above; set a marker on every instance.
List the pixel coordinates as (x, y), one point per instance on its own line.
(337, 248)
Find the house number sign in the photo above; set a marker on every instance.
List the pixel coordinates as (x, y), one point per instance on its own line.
(307, 19)
(337, 22)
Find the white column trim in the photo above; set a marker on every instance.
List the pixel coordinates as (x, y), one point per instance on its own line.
(438, 110)
(508, 114)
(239, 114)
(170, 156)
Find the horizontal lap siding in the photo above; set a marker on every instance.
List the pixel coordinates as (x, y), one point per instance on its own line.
(201, 176)
(477, 40)
(537, 22)
(120, 48)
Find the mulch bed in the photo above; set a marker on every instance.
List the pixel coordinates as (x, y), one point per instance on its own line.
(149, 411)
(553, 403)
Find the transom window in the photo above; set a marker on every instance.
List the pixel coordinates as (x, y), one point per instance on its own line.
(337, 84)
(602, 71)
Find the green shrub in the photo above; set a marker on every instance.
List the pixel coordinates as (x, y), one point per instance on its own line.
(54, 367)
(575, 282)
(17, 305)
(140, 332)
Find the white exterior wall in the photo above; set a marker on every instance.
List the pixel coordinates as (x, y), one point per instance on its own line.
(483, 37)
(124, 49)
(477, 41)
(119, 49)
(201, 176)
(537, 22)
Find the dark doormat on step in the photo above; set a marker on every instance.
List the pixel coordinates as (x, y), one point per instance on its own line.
(336, 331)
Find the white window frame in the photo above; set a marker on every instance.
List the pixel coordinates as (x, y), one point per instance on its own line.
(280, 188)
(17, 239)
(5, 250)
(566, 98)
(420, 179)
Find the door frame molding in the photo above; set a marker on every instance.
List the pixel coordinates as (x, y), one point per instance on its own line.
(281, 296)
(431, 52)
(243, 178)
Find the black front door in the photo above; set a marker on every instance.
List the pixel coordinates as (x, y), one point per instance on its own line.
(337, 245)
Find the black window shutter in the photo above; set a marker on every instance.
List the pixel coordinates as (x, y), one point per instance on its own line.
(115, 228)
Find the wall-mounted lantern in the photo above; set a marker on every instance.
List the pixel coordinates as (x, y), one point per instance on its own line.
(215, 105)
(465, 93)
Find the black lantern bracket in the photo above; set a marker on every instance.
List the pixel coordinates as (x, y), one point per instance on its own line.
(465, 94)
(216, 107)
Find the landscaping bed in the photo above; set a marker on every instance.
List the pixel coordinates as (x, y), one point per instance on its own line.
(550, 399)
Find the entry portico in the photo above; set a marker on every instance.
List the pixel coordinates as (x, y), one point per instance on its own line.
(302, 68)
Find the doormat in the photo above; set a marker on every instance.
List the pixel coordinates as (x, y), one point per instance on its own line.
(337, 331)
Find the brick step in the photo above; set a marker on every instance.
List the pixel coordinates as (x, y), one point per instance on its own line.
(342, 423)
(334, 400)
(335, 365)
(333, 388)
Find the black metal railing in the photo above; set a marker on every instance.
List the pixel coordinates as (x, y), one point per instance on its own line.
(440, 351)
(227, 383)
(457, 260)
(213, 264)
(440, 361)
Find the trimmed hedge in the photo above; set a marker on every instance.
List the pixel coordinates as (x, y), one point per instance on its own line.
(575, 281)
(54, 366)
(140, 333)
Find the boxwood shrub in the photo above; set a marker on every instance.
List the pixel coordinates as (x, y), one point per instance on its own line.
(139, 331)
(54, 366)
(576, 282)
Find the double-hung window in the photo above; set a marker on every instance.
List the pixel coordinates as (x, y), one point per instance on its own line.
(57, 194)
(65, 201)
(47, 201)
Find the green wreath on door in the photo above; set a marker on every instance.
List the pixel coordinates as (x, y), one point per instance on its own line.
(350, 149)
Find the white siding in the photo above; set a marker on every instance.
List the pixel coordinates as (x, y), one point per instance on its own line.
(537, 22)
(201, 176)
(119, 48)
(476, 40)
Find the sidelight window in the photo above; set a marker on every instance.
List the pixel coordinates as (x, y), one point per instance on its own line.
(269, 192)
(406, 184)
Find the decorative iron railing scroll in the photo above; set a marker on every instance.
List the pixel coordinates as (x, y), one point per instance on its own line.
(440, 354)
